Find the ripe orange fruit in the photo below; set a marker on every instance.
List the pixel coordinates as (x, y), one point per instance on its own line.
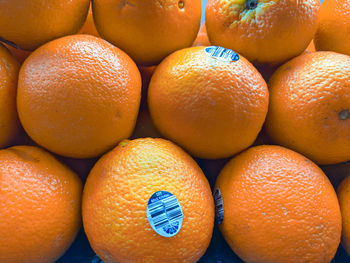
(278, 207)
(309, 107)
(40, 206)
(262, 31)
(9, 124)
(148, 30)
(211, 106)
(78, 96)
(29, 24)
(19, 54)
(202, 37)
(119, 197)
(333, 31)
(89, 27)
(344, 201)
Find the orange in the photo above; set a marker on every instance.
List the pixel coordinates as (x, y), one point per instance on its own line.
(148, 30)
(9, 124)
(262, 31)
(278, 207)
(29, 24)
(19, 54)
(78, 96)
(309, 107)
(202, 37)
(116, 198)
(333, 31)
(39, 208)
(211, 106)
(344, 201)
(89, 25)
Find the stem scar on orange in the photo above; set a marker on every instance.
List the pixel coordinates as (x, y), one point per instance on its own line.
(263, 31)
(148, 30)
(311, 93)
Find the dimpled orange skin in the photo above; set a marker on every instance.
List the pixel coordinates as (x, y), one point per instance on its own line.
(115, 202)
(333, 31)
(9, 124)
(309, 106)
(30, 24)
(39, 208)
(148, 30)
(213, 109)
(344, 202)
(78, 96)
(278, 207)
(272, 32)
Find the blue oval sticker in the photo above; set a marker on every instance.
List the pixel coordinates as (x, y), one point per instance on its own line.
(222, 54)
(164, 213)
(219, 206)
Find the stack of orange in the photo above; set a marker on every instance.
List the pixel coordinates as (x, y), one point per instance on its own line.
(135, 98)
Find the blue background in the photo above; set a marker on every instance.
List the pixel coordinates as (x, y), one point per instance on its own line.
(204, 3)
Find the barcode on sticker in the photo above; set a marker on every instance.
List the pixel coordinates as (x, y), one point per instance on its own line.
(164, 213)
(219, 206)
(222, 54)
